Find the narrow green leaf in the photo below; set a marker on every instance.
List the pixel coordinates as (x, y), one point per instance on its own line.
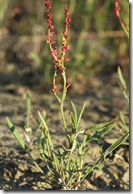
(16, 133)
(122, 118)
(80, 115)
(41, 144)
(37, 128)
(74, 112)
(89, 169)
(28, 108)
(115, 145)
(80, 150)
(124, 127)
(28, 102)
(46, 133)
(123, 124)
(121, 78)
(98, 135)
(101, 125)
(111, 141)
(43, 121)
(72, 120)
(98, 166)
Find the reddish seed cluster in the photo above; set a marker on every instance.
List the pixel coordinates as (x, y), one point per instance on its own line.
(116, 10)
(54, 51)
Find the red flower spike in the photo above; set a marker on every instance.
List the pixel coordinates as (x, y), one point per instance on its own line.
(54, 51)
(116, 9)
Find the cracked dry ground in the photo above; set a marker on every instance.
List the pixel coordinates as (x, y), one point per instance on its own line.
(103, 100)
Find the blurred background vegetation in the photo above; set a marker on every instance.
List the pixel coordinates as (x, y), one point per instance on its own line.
(98, 43)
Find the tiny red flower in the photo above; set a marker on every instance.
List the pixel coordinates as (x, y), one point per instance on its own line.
(67, 47)
(66, 36)
(66, 59)
(51, 52)
(64, 31)
(54, 51)
(63, 49)
(56, 89)
(47, 41)
(52, 41)
(51, 26)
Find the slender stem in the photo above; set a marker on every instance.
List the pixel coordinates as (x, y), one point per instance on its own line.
(81, 162)
(124, 28)
(68, 162)
(50, 147)
(64, 86)
(70, 178)
(28, 119)
(63, 118)
(63, 98)
(64, 122)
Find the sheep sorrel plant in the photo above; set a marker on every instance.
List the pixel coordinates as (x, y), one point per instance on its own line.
(65, 171)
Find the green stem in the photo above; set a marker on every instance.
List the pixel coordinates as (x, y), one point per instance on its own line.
(81, 162)
(68, 162)
(124, 28)
(63, 118)
(49, 143)
(70, 178)
(64, 86)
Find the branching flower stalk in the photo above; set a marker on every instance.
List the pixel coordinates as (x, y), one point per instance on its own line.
(117, 14)
(58, 61)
